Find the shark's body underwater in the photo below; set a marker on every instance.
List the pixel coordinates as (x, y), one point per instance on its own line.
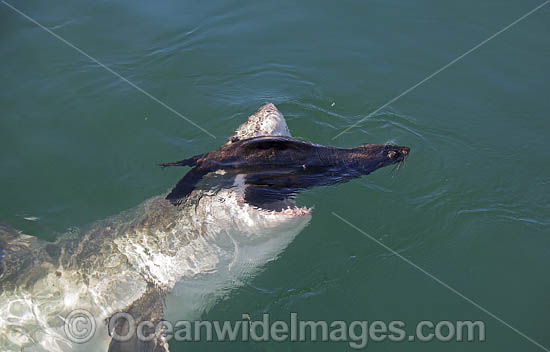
(200, 238)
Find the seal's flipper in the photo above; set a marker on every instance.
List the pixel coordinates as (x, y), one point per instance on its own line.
(275, 190)
(271, 190)
(150, 307)
(270, 198)
(186, 185)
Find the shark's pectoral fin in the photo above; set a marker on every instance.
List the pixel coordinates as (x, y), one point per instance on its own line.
(149, 308)
(186, 185)
(19, 252)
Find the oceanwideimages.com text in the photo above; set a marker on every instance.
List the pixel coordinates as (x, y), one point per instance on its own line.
(357, 334)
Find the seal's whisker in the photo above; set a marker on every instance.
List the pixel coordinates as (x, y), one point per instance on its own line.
(395, 169)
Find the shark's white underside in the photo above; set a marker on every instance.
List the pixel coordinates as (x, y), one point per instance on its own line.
(198, 252)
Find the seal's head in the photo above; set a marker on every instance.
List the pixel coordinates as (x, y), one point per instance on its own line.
(370, 157)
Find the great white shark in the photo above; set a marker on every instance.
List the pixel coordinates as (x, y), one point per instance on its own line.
(230, 214)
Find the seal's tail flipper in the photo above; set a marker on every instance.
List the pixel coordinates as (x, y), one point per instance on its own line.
(185, 162)
(186, 185)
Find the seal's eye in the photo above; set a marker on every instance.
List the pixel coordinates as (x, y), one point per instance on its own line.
(391, 154)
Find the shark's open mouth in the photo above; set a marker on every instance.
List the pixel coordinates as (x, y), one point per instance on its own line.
(281, 207)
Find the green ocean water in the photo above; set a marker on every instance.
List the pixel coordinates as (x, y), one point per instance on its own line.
(470, 206)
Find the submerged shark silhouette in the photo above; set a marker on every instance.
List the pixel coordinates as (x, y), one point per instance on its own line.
(203, 246)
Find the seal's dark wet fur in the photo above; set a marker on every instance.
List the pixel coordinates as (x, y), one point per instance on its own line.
(275, 168)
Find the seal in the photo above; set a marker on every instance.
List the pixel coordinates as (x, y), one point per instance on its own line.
(228, 216)
(276, 168)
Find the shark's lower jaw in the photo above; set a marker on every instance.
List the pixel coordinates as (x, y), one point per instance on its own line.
(299, 211)
(290, 211)
(283, 207)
